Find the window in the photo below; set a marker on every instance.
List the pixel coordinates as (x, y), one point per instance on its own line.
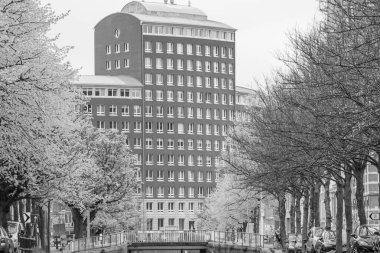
(108, 65)
(223, 68)
(171, 175)
(224, 114)
(160, 111)
(137, 110)
(170, 112)
(169, 79)
(148, 62)
(209, 191)
(148, 46)
(148, 95)
(181, 176)
(190, 175)
(208, 82)
(224, 99)
(199, 160)
(100, 109)
(137, 142)
(208, 129)
(190, 129)
(223, 52)
(190, 96)
(216, 82)
(198, 65)
(181, 127)
(230, 68)
(199, 145)
(87, 92)
(125, 110)
(216, 67)
(100, 92)
(231, 99)
(161, 194)
(208, 144)
(190, 144)
(216, 129)
(160, 175)
(170, 144)
(181, 144)
(180, 80)
(113, 110)
(216, 98)
(190, 81)
(126, 47)
(171, 208)
(216, 51)
(126, 63)
(159, 47)
(216, 145)
(224, 145)
(117, 48)
(179, 64)
(160, 143)
(191, 195)
(149, 145)
(148, 78)
(181, 205)
(108, 49)
(208, 113)
(170, 160)
(181, 160)
(169, 48)
(112, 92)
(160, 127)
(199, 113)
(199, 81)
(200, 192)
(199, 128)
(209, 176)
(230, 84)
(170, 96)
(148, 127)
(207, 66)
(224, 83)
(199, 97)
(179, 48)
(149, 206)
(159, 63)
(189, 65)
(149, 175)
(100, 124)
(189, 49)
(159, 95)
(198, 49)
(230, 53)
(125, 126)
(208, 161)
(207, 51)
(181, 112)
(149, 191)
(169, 63)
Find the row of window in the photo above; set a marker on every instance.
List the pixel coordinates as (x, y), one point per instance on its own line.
(191, 81)
(217, 161)
(191, 49)
(179, 160)
(182, 144)
(171, 222)
(112, 92)
(160, 176)
(160, 111)
(204, 33)
(172, 207)
(190, 65)
(117, 48)
(201, 97)
(199, 129)
(117, 64)
(172, 193)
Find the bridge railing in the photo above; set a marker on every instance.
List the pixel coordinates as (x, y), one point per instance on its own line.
(127, 237)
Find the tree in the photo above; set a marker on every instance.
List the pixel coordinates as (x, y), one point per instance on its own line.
(37, 121)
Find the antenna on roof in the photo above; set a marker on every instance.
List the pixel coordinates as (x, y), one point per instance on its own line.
(189, 3)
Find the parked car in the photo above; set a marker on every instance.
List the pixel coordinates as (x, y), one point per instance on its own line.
(15, 229)
(313, 235)
(6, 243)
(364, 238)
(294, 243)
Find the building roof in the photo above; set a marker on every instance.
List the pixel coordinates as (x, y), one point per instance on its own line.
(245, 90)
(181, 21)
(154, 8)
(102, 81)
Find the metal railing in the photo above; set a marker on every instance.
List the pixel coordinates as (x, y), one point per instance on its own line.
(220, 238)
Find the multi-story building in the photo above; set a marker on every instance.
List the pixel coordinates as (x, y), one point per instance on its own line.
(165, 74)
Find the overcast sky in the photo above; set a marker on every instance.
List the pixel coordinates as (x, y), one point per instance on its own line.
(262, 27)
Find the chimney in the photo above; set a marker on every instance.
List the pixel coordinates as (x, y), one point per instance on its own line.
(171, 1)
(165, 1)
(189, 3)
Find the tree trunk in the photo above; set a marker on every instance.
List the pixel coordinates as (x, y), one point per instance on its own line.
(348, 205)
(317, 191)
(339, 217)
(292, 215)
(311, 212)
(305, 218)
(327, 204)
(42, 227)
(79, 224)
(15, 211)
(298, 214)
(359, 194)
(4, 211)
(282, 216)
(21, 210)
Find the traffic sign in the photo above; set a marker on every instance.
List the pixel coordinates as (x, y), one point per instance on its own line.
(374, 216)
(27, 217)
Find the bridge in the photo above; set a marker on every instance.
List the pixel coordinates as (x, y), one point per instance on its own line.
(190, 241)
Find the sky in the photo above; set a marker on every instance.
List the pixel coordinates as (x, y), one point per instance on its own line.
(262, 29)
